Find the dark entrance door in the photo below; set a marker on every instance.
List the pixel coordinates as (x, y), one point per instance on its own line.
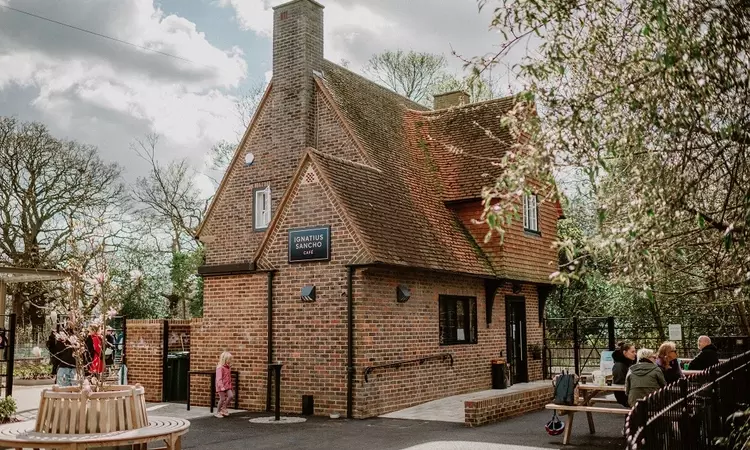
(515, 314)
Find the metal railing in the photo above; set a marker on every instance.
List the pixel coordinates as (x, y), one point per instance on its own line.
(397, 364)
(576, 343)
(691, 413)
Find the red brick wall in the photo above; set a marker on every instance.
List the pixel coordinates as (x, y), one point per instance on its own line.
(521, 255)
(179, 335)
(310, 339)
(495, 409)
(387, 331)
(143, 347)
(234, 320)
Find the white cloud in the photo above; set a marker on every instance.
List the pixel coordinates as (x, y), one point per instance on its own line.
(356, 29)
(73, 79)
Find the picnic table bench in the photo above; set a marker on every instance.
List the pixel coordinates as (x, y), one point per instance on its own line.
(21, 435)
(586, 404)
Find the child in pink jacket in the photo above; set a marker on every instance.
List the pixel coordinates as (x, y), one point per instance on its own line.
(224, 384)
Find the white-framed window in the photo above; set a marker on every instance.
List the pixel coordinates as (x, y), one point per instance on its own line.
(530, 213)
(261, 208)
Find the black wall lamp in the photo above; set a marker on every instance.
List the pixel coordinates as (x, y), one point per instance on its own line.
(308, 293)
(516, 287)
(402, 293)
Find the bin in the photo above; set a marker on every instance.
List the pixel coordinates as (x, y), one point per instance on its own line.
(498, 374)
(177, 371)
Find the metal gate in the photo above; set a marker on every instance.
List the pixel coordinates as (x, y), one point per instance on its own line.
(7, 350)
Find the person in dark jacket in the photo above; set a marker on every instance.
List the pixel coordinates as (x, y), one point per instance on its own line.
(66, 361)
(624, 357)
(644, 377)
(708, 356)
(51, 342)
(666, 359)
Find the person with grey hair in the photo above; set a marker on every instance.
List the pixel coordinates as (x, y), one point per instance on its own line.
(644, 377)
(708, 356)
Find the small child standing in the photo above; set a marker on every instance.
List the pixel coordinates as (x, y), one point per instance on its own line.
(224, 384)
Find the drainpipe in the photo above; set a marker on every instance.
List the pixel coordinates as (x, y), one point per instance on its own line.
(270, 338)
(350, 342)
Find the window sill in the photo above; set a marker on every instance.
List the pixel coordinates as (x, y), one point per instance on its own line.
(260, 229)
(449, 344)
(532, 233)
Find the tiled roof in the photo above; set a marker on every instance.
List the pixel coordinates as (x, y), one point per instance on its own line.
(396, 204)
(466, 144)
(398, 227)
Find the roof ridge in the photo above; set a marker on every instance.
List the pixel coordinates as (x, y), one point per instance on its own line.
(379, 86)
(467, 105)
(339, 159)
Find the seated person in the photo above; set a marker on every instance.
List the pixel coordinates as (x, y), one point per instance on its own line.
(708, 356)
(644, 377)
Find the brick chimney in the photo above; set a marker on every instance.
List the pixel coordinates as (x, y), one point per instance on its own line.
(297, 52)
(448, 99)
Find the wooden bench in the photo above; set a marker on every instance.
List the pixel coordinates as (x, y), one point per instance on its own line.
(570, 411)
(21, 435)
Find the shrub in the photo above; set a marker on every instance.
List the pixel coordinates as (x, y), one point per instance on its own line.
(7, 409)
(32, 371)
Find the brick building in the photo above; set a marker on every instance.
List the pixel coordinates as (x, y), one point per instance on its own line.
(341, 238)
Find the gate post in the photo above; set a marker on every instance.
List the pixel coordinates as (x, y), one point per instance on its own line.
(576, 347)
(611, 332)
(164, 361)
(11, 354)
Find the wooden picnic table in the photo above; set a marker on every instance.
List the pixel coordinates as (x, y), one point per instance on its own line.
(589, 393)
(20, 435)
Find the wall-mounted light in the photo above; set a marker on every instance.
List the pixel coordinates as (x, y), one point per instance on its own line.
(308, 293)
(402, 293)
(516, 287)
(249, 159)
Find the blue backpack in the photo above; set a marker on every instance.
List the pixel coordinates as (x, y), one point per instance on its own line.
(565, 386)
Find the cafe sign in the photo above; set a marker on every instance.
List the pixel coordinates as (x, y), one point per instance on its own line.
(310, 244)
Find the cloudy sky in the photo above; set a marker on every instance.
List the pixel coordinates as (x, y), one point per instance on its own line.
(107, 93)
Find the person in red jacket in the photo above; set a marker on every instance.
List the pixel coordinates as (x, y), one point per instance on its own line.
(94, 350)
(224, 384)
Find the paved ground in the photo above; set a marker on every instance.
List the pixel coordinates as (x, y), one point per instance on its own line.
(451, 409)
(522, 433)
(236, 432)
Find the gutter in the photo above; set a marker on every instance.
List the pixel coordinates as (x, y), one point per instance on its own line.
(270, 337)
(350, 342)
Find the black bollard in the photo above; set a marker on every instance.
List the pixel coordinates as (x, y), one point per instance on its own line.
(277, 382)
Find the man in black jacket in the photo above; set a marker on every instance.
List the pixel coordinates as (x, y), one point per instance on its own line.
(707, 357)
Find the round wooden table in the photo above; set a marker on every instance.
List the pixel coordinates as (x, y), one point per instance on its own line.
(21, 435)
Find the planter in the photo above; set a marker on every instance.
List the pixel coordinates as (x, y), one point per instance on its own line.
(33, 382)
(69, 411)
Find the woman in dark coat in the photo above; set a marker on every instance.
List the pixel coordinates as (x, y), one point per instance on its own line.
(624, 357)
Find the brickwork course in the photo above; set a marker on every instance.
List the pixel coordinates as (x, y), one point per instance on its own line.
(339, 151)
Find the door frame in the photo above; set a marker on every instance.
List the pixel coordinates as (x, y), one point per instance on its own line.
(511, 300)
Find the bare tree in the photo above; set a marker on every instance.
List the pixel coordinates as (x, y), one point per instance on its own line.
(45, 185)
(223, 152)
(411, 74)
(170, 201)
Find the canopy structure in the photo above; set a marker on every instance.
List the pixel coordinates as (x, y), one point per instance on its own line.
(22, 275)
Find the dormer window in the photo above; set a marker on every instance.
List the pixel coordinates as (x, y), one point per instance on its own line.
(530, 213)
(261, 208)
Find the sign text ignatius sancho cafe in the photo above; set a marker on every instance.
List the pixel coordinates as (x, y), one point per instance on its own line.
(310, 244)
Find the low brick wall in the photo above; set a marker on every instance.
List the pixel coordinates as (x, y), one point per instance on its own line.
(505, 406)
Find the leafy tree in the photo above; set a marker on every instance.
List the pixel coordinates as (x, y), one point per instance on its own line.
(649, 100)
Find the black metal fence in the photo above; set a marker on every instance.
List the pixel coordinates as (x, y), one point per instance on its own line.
(691, 413)
(576, 343)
